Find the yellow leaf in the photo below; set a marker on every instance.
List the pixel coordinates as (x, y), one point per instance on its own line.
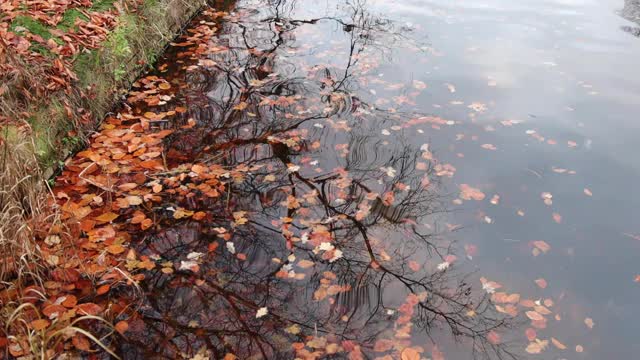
(241, 106)
(107, 217)
(180, 213)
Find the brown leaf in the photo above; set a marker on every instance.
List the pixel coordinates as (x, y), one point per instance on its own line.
(89, 309)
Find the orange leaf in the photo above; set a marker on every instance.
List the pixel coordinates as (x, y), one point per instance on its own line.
(558, 344)
(103, 289)
(70, 301)
(53, 311)
(199, 215)
(146, 223)
(534, 316)
(40, 324)
(81, 342)
(410, 354)
(122, 326)
(115, 249)
(107, 217)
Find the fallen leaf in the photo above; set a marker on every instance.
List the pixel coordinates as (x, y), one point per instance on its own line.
(39, 324)
(589, 322)
(542, 283)
(558, 344)
(107, 217)
(122, 327)
(410, 354)
(261, 312)
(534, 316)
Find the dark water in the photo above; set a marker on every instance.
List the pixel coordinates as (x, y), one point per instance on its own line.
(373, 116)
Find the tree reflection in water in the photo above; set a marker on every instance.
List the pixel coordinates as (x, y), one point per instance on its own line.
(334, 229)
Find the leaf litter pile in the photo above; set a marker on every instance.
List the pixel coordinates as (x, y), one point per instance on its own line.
(246, 202)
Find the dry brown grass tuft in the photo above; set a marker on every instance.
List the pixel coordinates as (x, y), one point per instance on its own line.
(21, 198)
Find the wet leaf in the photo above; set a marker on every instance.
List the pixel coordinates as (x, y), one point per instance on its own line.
(410, 354)
(558, 344)
(261, 312)
(589, 322)
(534, 316)
(542, 283)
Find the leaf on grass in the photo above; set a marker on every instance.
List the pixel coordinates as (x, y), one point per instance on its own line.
(89, 309)
(40, 324)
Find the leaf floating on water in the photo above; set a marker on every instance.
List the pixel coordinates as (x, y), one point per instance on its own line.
(557, 218)
(419, 85)
(537, 346)
(305, 264)
(534, 316)
(410, 354)
(589, 322)
(542, 283)
(558, 344)
(261, 312)
(542, 246)
(470, 193)
(494, 338)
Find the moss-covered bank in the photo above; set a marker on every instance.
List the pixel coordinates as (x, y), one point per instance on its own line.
(95, 52)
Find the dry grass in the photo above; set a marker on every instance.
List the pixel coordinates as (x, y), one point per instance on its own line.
(21, 199)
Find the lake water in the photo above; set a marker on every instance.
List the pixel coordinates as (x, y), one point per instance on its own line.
(413, 165)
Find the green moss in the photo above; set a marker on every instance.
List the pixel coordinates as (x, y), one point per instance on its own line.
(32, 25)
(69, 18)
(102, 5)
